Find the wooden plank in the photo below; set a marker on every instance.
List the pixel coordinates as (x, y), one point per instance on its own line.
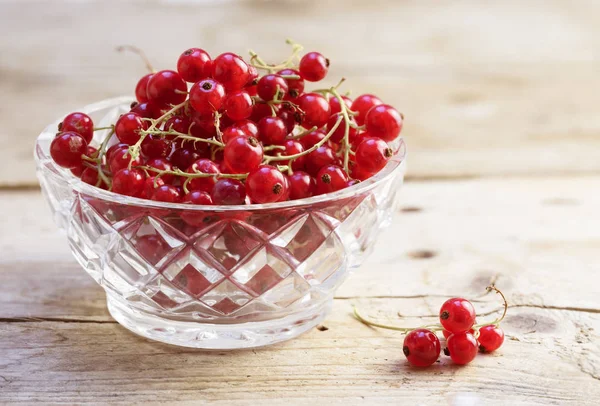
(487, 89)
(537, 238)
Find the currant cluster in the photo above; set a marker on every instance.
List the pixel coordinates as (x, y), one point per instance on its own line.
(217, 132)
(457, 323)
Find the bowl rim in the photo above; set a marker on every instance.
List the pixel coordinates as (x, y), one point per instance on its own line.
(45, 163)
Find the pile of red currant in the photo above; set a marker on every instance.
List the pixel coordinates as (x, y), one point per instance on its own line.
(457, 323)
(233, 136)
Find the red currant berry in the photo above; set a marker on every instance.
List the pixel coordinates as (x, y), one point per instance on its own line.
(230, 70)
(331, 178)
(316, 110)
(313, 66)
(311, 138)
(120, 159)
(384, 121)
(229, 192)
(183, 157)
(196, 218)
(372, 154)
(272, 130)
(319, 158)
(156, 147)
(147, 110)
(67, 148)
(141, 89)
(78, 170)
(266, 184)
(359, 173)
(335, 104)
(461, 347)
(162, 164)
(166, 193)
(128, 128)
(457, 315)
(114, 149)
(151, 183)
(194, 65)
(293, 147)
(302, 185)
(421, 347)
(290, 118)
(128, 182)
(243, 154)
(91, 177)
(203, 166)
(261, 110)
(362, 104)
(238, 105)
(490, 338)
(248, 127)
(271, 87)
(295, 86)
(198, 197)
(207, 96)
(447, 334)
(252, 78)
(340, 131)
(79, 123)
(167, 87)
(231, 132)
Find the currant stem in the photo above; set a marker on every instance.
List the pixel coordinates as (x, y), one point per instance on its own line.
(196, 175)
(346, 139)
(186, 137)
(110, 127)
(140, 53)
(272, 147)
(100, 157)
(308, 151)
(303, 133)
(359, 317)
(498, 291)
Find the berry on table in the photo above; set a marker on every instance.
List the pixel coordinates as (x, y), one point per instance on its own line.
(490, 338)
(457, 315)
(421, 347)
(461, 347)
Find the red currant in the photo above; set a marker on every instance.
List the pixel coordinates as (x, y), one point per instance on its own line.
(372, 154)
(120, 159)
(457, 315)
(231, 132)
(207, 96)
(156, 147)
(243, 154)
(302, 185)
(141, 89)
(67, 148)
(447, 334)
(194, 65)
(490, 338)
(340, 131)
(248, 127)
(252, 78)
(114, 149)
(295, 86)
(316, 110)
(128, 182)
(228, 192)
(196, 218)
(359, 173)
(91, 177)
(128, 128)
(271, 87)
(230, 70)
(162, 164)
(421, 347)
(261, 110)
(293, 147)
(384, 121)
(266, 184)
(313, 66)
(290, 118)
(166, 193)
(311, 138)
(167, 86)
(151, 183)
(335, 104)
(461, 347)
(183, 157)
(79, 123)
(238, 105)
(272, 130)
(331, 178)
(147, 110)
(362, 104)
(203, 166)
(317, 159)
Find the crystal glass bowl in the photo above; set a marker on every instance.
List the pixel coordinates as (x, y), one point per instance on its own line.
(219, 277)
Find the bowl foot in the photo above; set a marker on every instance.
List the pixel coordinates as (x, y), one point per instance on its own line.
(217, 336)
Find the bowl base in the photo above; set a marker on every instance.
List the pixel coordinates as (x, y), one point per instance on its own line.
(217, 336)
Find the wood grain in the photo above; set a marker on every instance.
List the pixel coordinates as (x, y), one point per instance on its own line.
(494, 88)
(537, 238)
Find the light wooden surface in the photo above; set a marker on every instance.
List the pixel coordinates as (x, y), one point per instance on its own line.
(503, 135)
(537, 238)
(487, 87)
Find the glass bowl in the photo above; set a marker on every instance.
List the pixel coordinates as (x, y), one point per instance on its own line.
(218, 277)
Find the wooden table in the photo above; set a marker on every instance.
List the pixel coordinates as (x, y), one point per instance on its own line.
(502, 128)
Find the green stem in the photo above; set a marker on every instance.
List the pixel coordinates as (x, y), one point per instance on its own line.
(110, 127)
(196, 175)
(346, 139)
(303, 133)
(186, 137)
